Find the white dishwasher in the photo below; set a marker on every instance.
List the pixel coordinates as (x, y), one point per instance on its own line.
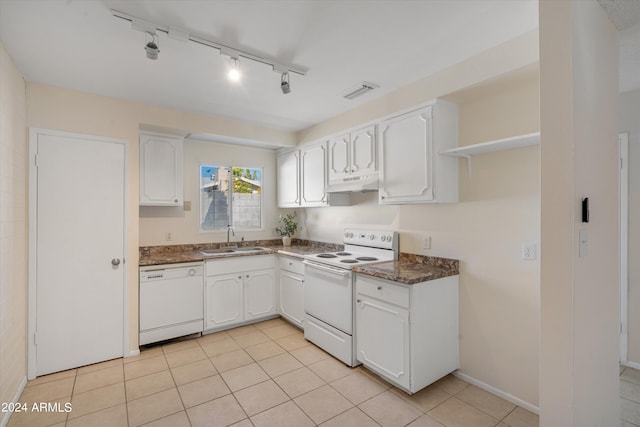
(171, 301)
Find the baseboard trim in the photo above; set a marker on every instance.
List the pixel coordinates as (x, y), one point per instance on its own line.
(132, 353)
(630, 364)
(16, 397)
(500, 393)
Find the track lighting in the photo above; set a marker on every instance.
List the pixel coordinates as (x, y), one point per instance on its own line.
(284, 83)
(234, 53)
(234, 71)
(152, 48)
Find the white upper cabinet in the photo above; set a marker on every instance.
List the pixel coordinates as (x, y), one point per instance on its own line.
(411, 170)
(313, 168)
(161, 170)
(363, 151)
(302, 178)
(352, 154)
(289, 179)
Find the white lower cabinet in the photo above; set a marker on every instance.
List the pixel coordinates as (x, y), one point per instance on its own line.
(260, 294)
(236, 294)
(292, 290)
(224, 300)
(407, 334)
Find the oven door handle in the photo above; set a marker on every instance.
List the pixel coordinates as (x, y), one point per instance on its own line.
(328, 269)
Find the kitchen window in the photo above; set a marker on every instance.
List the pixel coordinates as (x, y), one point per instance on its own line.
(230, 196)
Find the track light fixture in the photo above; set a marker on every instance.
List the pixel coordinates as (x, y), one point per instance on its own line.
(284, 83)
(185, 36)
(234, 72)
(152, 47)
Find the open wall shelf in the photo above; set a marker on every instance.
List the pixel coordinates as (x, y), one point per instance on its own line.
(467, 151)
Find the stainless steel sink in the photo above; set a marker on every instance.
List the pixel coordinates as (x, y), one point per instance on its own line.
(251, 249)
(219, 251)
(226, 251)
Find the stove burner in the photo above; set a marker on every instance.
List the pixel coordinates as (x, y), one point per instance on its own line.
(349, 261)
(343, 253)
(366, 258)
(326, 256)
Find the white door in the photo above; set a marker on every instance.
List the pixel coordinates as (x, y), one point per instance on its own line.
(313, 176)
(223, 295)
(161, 170)
(288, 181)
(339, 162)
(292, 297)
(383, 338)
(79, 250)
(260, 294)
(363, 151)
(406, 158)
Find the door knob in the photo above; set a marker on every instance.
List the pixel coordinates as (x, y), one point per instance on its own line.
(115, 262)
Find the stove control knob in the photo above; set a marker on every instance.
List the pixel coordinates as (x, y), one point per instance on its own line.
(372, 236)
(346, 234)
(389, 238)
(385, 238)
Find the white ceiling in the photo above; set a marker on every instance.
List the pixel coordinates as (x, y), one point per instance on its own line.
(78, 44)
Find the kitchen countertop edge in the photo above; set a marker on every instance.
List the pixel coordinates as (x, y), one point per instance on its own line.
(411, 269)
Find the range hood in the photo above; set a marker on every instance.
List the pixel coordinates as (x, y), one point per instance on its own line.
(356, 184)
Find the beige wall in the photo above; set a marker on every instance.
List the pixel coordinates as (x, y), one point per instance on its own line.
(498, 210)
(629, 122)
(55, 108)
(13, 250)
(155, 222)
(579, 294)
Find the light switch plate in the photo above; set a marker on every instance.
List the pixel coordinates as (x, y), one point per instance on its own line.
(187, 205)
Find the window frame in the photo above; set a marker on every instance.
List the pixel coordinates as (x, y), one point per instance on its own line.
(230, 197)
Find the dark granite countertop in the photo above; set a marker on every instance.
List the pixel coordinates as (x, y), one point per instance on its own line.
(173, 254)
(410, 269)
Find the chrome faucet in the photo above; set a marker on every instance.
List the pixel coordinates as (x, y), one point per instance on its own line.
(230, 229)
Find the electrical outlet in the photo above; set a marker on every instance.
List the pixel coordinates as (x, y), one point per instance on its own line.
(187, 206)
(426, 242)
(167, 237)
(529, 251)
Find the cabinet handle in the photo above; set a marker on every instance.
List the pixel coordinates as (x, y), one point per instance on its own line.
(247, 276)
(358, 300)
(240, 277)
(379, 288)
(175, 201)
(290, 264)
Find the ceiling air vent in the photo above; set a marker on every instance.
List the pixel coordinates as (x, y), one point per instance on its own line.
(361, 89)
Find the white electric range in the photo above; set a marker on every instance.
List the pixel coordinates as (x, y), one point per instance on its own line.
(329, 289)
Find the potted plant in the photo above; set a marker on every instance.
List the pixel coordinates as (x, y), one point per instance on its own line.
(288, 227)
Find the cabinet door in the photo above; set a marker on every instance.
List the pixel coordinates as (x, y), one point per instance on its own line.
(292, 297)
(224, 300)
(260, 294)
(313, 161)
(407, 158)
(363, 151)
(160, 171)
(382, 344)
(288, 180)
(339, 161)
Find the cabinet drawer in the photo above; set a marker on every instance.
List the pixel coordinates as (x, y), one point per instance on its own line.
(239, 264)
(291, 264)
(384, 291)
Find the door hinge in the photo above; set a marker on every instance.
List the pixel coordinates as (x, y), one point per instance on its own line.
(36, 160)
(35, 338)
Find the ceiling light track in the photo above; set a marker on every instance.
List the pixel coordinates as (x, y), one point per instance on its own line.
(149, 27)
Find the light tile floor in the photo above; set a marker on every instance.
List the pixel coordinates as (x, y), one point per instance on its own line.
(629, 397)
(260, 375)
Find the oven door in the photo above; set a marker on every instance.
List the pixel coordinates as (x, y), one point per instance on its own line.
(328, 295)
